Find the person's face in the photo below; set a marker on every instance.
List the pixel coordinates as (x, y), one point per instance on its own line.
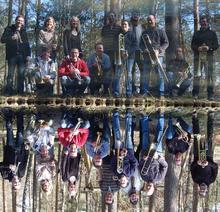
(97, 160)
(99, 49)
(125, 26)
(135, 17)
(49, 24)
(111, 18)
(46, 55)
(178, 158)
(150, 188)
(73, 150)
(179, 53)
(134, 197)
(108, 198)
(19, 22)
(16, 184)
(72, 189)
(151, 21)
(123, 181)
(45, 185)
(75, 54)
(44, 151)
(204, 23)
(74, 23)
(203, 189)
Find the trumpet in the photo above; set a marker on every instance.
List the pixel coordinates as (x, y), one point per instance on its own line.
(77, 75)
(150, 155)
(181, 132)
(75, 128)
(99, 67)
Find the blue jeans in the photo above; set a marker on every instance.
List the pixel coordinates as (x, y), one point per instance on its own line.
(72, 87)
(128, 142)
(18, 61)
(144, 133)
(145, 77)
(116, 80)
(106, 131)
(130, 79)
(19, 136)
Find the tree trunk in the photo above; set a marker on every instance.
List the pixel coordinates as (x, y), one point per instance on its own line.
(172, 27)
(171, 185)
(10, 12)
(196, 15)
(115, 6)
(23, 7)
(152, 5)
(106, 10)
(26, 185)
(38, 8)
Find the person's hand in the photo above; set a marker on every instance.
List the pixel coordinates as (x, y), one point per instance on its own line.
(145, 157)
(12, 167)
(75, 132)
(157, 52)
(156, 156)
(14, 37)
(46, 78)
(123, 152)
(54, 46)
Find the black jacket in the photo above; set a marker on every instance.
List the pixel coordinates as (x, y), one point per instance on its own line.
(205, 175)
(208, 37)
(14, 157)
(15, 47)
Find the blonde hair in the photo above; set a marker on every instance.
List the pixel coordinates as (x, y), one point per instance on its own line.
(48, 19)
(76, 19)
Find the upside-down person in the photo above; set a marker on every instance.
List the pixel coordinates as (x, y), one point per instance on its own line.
(203, 169)
(178, 138)
(153, 168)
(98, 143)
(74, 74)
(73, 132)
(123, 161)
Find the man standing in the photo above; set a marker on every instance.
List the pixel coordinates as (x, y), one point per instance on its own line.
(17, 53)
(74, 74)
(99, 65)
(204, 43)
(159, 42)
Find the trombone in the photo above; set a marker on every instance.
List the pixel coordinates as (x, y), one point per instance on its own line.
(201, 148)
(147, 163)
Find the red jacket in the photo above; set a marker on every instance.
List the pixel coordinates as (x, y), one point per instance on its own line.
(66, 70)
(65, 137)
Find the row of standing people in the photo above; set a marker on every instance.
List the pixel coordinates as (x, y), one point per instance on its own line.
(119, 55)
(122, 166)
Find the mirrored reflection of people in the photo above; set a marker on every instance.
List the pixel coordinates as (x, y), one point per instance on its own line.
(204, 44)
(43, 73)
(72, 37)
(136, 29)
(178, 138)
(15, 155)
(40, 136)
(107, 183)
(48, 38)
(99, 66)
(73, 132)
(98, 143)
(74, 74)
(178, 74)
(156, 171)
(160, 43)
(203, 169)
(123, 161)
(17, 53)
(70, 170)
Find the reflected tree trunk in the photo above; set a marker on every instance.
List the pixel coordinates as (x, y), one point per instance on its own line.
(195, 198)
(151, 202)
(26, 184)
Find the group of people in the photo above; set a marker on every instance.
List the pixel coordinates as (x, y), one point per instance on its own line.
(121, 48)
(123, 166)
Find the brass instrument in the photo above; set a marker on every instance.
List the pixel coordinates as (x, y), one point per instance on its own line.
(121, 48)
(75, 128)
(99, 67)
(120, 162)
(152, 54)
(181, 132)
(97, 143)
(181, 80)
(147, 163)
(77, 75)
(202, 62)
(201, 147)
